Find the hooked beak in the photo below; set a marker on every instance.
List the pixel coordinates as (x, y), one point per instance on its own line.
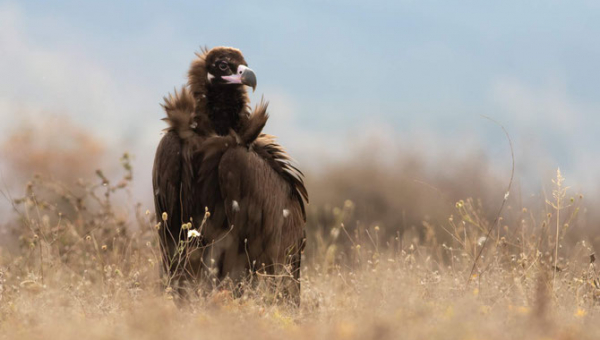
(244, 76)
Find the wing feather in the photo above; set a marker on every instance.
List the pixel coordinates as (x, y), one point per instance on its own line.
(166, 182)
(261, 204)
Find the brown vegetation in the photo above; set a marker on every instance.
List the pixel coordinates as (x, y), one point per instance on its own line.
(52, 147)
(390, 254)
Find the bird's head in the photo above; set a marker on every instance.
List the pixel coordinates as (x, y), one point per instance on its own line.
(225, 66)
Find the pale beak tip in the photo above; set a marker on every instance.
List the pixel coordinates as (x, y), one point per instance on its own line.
(249, 78)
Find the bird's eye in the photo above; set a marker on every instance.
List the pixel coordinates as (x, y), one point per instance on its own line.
(223, 65)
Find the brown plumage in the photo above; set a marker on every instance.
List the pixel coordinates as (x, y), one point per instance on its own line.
(214, 157)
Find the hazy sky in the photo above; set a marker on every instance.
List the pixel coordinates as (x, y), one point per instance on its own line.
(410, 74)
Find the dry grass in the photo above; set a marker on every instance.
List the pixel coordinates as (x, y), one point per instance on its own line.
(87, 266)
(389, 255)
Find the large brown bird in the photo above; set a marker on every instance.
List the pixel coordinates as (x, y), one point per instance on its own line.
(218, 176)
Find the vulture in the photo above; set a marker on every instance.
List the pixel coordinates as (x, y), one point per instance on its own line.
(229, 200)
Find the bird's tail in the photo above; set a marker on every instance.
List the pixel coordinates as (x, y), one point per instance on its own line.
(180, 109)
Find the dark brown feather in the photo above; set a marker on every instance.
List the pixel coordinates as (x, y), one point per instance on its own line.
(179, 108)
(255, 123)
(166, 181)
(280, 161)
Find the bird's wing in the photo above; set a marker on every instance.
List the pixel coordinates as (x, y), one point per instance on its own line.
(255, 197)
(279, 160)
(261, 191)
(166, 182)
(172, 173)
(264, 206)
(272, 153)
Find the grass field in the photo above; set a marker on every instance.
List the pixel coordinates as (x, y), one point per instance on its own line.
(84, 264)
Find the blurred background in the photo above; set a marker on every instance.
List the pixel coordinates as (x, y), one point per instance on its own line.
(380, 103)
